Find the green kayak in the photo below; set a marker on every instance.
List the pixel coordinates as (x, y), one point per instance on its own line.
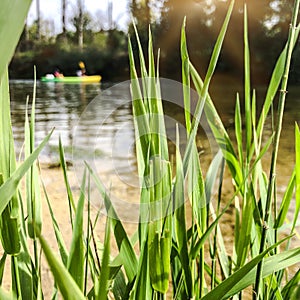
(71, 79)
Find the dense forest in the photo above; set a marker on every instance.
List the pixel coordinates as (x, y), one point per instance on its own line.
(104, 50)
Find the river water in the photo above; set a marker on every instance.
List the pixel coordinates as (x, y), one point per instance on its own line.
(95, 124)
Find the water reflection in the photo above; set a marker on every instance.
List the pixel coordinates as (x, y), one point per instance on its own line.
(107, 135)
(58, 106)
(61, 106)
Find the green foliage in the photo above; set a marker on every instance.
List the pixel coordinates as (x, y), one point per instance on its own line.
(12, 19)
(103, 54)
(67, 285)
(165, 18)
(206, 17)
(186, 246)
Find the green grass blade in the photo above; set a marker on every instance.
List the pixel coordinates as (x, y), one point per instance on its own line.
(211, 175)
(65, 282)
(67, 184)
(15, 276)
(9, 218)
(272, 289)
(36, 200)
(141, 122)
(12, 19)
(144, 213)
(235, 283)
(245, 230)
(195, 250)
(281, 104)
(32, 183)
(271, 265)
(180, 220)
(296, 294)
(196, 189)
(89, 235)
(8, 161)
(238, 129)
(77, 250)
(218, 130)
(141, 55)
(4, 295)
(148, 112)
(247, 87)
(202, 87)
(291, 287)
(104, 275)
(10, 232)
(151, 67)
(159, 251)
(230, 282)
(216, 53)
(119, 286)
(185, 78)
(28, 275)
(254, 147)
(144, 74)
(2, 267)
(159, 238)
(9, 187)
(133, 72)
(263, 151)
(142, 288)
(297, 168)
(273, 87)
(285, 203)
(59, 238)
(126, 253)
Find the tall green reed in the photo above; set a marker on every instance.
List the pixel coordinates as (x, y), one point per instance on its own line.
(13, 233)
(246, 170)
(186, 259)
(293, 34)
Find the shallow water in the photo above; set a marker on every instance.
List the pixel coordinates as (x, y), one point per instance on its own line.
(95, 124)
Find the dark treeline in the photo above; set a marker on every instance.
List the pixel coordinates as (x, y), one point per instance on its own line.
(105, 51)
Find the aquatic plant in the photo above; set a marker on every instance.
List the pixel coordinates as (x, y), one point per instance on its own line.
(180, 252)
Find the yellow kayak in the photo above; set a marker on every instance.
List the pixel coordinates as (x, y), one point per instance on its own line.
(71, 79)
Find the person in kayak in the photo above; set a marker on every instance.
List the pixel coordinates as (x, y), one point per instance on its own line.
(57, 73)
(82, 71)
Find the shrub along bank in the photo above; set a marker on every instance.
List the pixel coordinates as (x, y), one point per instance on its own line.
(106, 55)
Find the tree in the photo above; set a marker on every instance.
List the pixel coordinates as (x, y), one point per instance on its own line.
(110, 15)
(81, 21)
(38, 20)
(79, 27)
(200, 18)
(142, 17)
(63, 18)
(267, 23)
(140, 10)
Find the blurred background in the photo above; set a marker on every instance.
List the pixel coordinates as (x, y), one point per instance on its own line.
(59, 33)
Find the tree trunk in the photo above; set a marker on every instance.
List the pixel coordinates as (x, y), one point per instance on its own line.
(38, 20)
(142, 12)
(146, 7)
(26, 31)
(109, 15)
(80, 23)
(63, 18)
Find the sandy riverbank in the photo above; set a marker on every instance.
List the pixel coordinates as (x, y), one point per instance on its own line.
(54, 183)
(52, 177)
